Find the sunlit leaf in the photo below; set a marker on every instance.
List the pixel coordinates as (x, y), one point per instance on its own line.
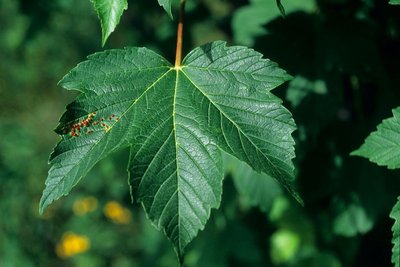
(175, 120)
(109, 12)
(394, 2)
(382, 146)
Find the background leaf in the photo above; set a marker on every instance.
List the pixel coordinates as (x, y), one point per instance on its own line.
(394, 2)
(299, 88)
(256, 189)
(109, 12)
(351, 221)
(382, 146)
(395, 215)
(248, 21)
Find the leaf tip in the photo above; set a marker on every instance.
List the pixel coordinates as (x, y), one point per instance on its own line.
(167, 7)
(66, 82)
(289, 187)
(297, 197)
(181, 259)
(109, 16)
(355, 153)
(106, 32)
(62, 82)
(43, 204)
(287, 77)
(299, 200)
(104, 40)
(179, 254)
(281, 8)
(170, 14)
(41, 210)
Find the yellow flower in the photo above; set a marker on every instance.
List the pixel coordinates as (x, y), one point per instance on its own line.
(84, 205)
(72, 244)
(118, 214)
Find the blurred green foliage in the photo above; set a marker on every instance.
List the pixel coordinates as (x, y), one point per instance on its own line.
(344, 57)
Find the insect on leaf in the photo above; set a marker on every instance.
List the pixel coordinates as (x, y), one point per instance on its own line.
(176, 121)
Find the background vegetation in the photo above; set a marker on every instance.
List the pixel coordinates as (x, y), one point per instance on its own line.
(344, 57)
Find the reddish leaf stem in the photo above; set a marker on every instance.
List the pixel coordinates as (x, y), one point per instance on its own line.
(178, 57)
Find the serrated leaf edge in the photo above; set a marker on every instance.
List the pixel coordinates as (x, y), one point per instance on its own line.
(42, 204)
(396, 234)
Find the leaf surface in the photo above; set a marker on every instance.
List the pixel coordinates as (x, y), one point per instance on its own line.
(109, 13)
(394, 2)
(383, 146)
(176, 121)
(395, 215)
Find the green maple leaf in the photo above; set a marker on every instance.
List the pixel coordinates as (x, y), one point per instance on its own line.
(166, 4)
(382, 146)
(395, 214)
(109, 12)
(176, 121)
